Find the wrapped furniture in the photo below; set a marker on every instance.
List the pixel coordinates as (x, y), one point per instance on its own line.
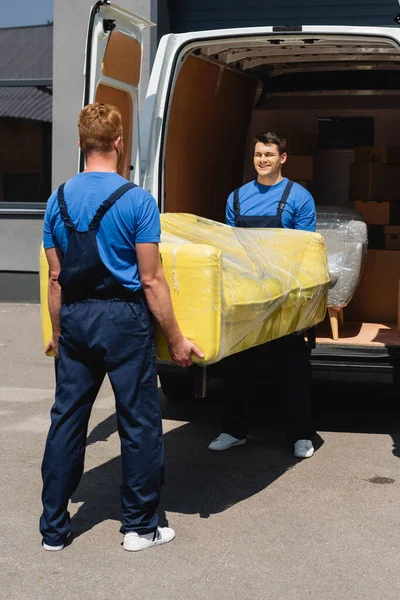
(235, 288)
(245, 287)
(346, 238)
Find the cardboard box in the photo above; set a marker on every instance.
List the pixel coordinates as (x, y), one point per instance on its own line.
(300, 143)
(392, 237)
(375, 181)
(377, 295)
(377, 154)
(374, 213)
(299, 168)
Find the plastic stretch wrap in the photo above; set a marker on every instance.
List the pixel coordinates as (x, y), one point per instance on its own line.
(235, 288)
(245, 287)
(346, 239)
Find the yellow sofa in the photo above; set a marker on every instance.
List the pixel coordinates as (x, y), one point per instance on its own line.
(234, 288)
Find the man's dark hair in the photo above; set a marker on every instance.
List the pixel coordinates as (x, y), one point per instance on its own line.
(271, 138)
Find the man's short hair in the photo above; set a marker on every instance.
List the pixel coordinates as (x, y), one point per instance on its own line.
(271, 138)
(99, 126)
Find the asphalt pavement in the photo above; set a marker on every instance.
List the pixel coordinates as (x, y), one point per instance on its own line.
(251, 524)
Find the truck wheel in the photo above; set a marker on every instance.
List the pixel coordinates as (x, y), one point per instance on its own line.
(177, 388)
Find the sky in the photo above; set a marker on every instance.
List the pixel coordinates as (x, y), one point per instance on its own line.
(14, 13)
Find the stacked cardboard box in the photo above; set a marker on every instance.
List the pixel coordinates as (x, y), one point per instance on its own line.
(377, 154)
(299, 167)
(392, 237)
(377, 182)
(300, 163)
(376, 299)
(374, 185)
(374, 213)
(374, 188)
(300, 142)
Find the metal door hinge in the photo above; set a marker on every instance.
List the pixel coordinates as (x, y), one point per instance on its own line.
(108, 25)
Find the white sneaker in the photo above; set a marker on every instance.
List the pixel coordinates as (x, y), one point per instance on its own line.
(225, 441)
(303, 449)
(55, 548)
(133, 542)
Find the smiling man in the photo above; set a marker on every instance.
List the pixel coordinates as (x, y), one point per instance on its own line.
(263, 201)
(270, 201)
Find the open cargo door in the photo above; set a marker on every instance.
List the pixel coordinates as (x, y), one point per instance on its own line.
(113, 65)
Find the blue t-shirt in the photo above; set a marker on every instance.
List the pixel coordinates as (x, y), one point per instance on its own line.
(258, 200)
(133, 219)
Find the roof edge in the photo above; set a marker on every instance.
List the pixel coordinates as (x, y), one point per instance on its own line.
(27, 26)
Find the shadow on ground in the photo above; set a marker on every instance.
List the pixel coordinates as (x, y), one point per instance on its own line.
(202, 482)
(197, 481)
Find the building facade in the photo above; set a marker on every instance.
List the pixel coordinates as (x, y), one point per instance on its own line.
(195, 15)
(25, 154)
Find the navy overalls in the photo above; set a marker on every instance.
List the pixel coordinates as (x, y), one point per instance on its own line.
(288, 357)
(105, 328)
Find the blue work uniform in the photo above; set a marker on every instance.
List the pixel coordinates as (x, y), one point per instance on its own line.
(285, 204)
(257, 200)
(96, 219)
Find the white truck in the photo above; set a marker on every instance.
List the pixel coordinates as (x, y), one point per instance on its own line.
(330, 89)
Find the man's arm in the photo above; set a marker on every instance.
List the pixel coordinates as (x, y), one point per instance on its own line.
(305, 216)
(54, 258)
(158, 298)
(229, 212)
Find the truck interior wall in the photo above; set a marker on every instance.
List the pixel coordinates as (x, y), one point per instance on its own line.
(123, 101)
(206, 138)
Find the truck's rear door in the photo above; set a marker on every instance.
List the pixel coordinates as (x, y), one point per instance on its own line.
(113, 66)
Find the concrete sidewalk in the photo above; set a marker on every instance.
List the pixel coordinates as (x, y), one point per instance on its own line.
(251, 524)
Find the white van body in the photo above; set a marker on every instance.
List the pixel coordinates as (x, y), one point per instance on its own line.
(251, 61)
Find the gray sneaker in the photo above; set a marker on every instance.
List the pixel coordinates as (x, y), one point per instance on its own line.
(225, 441)
(303, 449)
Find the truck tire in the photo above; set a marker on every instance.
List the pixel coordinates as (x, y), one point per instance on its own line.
(177, 388)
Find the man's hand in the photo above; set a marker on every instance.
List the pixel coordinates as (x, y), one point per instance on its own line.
(52, 346)
(181, 352)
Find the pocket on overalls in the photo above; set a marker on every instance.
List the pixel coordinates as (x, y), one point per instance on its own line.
(128, 330)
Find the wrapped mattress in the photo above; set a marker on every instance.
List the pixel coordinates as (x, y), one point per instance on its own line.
(235, 288)
(346, 238)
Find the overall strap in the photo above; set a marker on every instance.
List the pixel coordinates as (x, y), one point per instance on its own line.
(107, 204)
(63, 208)
(236, 202)
(285, 196)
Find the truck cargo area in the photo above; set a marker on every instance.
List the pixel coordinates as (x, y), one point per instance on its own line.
(327, 94)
